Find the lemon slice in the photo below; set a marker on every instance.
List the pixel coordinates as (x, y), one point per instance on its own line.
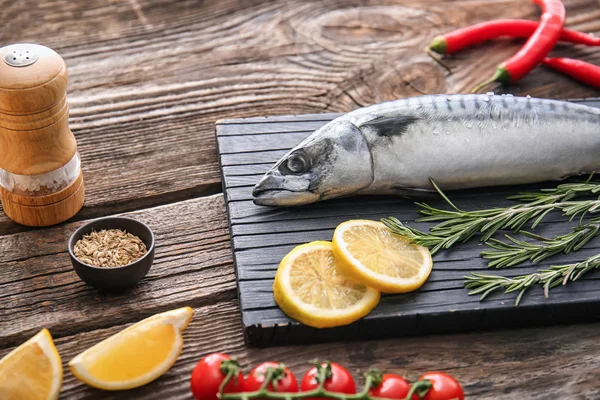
(371, 253)
(32, 371)
(310, 288)
(136, 355)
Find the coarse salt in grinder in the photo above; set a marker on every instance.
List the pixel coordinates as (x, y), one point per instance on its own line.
(40, 172)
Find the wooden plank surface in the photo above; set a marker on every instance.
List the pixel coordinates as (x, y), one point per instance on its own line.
(148, 79)
(39, 288)
(517, 364)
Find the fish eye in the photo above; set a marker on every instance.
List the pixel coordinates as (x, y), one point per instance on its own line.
(296, 163)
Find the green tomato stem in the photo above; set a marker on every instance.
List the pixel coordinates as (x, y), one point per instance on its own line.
(372, 380)
(419, 388)
(231, 371)
(268, 379)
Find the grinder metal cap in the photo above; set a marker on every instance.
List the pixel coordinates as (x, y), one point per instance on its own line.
(28, 71)
(34, 131)
(21, 55)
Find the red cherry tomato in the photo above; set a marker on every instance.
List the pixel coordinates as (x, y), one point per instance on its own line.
(445, 387)
(257, 376)
(340, 381)
(207, 378)
(392, 387)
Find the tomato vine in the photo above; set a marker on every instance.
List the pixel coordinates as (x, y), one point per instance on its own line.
(373, 379)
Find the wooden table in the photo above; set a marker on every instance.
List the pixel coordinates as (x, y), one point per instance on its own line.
(148, 79)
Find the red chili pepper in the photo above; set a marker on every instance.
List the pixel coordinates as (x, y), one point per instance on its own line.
(459, 39)
(537, 46)
(576, 69)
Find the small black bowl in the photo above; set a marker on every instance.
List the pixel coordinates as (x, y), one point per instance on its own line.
(112, 278)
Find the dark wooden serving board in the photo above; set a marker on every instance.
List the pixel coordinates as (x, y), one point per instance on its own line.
(261, 236)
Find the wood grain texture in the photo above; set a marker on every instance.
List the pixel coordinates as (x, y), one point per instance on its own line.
(261, 236)
(530, 363)
(148, 78)
(39, 288)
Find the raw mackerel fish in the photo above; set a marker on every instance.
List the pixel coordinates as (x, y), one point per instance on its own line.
(460, 141)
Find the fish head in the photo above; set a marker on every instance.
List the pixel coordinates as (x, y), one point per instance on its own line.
(334, 161)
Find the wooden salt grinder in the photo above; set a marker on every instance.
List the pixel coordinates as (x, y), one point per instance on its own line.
(35, 139)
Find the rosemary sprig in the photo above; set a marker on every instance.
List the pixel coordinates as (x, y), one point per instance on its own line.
(548, 278)
(432, 241)
(569, 189)
(514, 252)
(458, 226)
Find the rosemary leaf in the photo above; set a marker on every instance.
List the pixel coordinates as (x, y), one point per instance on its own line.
(548, 278)
(514, 252)
(458, 226)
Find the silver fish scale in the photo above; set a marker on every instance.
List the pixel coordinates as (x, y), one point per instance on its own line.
(465, 141)
(476, 107)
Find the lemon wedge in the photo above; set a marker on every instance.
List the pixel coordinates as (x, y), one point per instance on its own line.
(136, 355)
(310, 288)
(369, 252)
(32, 371)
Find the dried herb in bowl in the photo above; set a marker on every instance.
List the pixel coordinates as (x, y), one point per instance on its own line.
(109, 248)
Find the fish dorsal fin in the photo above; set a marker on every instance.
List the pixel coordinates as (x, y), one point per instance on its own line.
(390, 126)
